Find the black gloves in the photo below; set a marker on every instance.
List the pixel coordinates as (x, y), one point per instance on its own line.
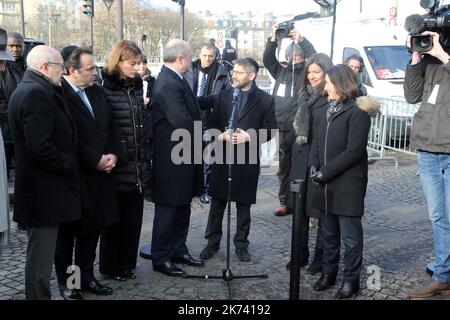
(316, 176)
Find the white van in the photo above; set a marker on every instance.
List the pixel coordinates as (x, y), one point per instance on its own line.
(383, 51)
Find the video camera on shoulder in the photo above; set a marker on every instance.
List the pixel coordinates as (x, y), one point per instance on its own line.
(437, 19)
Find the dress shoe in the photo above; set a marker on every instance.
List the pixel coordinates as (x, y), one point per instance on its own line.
(71, 294)
(347, 290)
(302, 264)
(117, 277)
(208, 252)
(325, 281)
(205, 198)
(243, 254)
(129, 274)
(434, 288)
(169, 269)
(189, 260)
(429, 271)
(282, 211)
(315, 266)
(97, 288)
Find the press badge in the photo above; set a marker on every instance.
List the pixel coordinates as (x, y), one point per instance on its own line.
(433, 96)
(281, 90)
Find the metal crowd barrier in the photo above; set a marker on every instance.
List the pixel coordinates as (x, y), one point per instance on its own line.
(391, 129)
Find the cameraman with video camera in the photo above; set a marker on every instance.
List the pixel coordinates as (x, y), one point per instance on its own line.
(427, 80)
(287, 85)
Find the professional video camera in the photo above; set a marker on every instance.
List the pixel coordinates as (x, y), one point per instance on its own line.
(437, 19)
(284, 28)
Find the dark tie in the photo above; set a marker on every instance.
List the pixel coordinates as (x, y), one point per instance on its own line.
(201, 89)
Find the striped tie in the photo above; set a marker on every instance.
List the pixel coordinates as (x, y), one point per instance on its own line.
(201, 89)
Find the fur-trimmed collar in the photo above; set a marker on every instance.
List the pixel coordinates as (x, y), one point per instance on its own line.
(369, 105)
(112, 82)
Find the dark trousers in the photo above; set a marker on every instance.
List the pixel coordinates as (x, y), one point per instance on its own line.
(170, 230)
(9, 156)
(304, 249)
(284, 169)
(214, 227)
(71, 237)
(39, 262)
(119, 242)
(350, 228)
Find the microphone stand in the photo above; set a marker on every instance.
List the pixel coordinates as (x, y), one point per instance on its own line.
(227, 275)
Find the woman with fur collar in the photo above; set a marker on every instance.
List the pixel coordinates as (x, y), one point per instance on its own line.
(338, 166)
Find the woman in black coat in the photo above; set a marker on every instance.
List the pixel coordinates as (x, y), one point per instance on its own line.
(123, 89)
(312, 105)
(338, 161)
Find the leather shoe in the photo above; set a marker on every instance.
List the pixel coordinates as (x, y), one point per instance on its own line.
(434, 288)
(282, 211)
(205, 198)
(325, 281)
(97, 288)
(208, 252)
(243, 254)
(117, 277)
(315, 266)
(347, 290)
(189, 260)
(169, 269)
(129, 274)
(71, 294)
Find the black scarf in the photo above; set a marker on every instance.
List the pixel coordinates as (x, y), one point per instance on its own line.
(302, 118)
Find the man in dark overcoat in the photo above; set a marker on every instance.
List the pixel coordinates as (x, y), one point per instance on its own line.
(254, 113)
(47, 183)
(174, 182)
(98, 149)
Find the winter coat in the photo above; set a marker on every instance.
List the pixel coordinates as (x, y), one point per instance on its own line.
(258, 114)
(430, 129)
(217, 81)
(175, 107)
(339, 152)
(9, 79)
(4, 197)
(127, 104)
(47, 189)
(286, 102)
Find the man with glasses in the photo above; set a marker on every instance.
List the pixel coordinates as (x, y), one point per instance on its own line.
(47, 183)
(254, 112)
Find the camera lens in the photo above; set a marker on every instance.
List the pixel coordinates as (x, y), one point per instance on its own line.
(424, 42)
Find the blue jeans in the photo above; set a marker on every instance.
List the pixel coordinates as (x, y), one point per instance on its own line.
(434, 172)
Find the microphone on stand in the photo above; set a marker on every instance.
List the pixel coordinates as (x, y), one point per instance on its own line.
(236, 93)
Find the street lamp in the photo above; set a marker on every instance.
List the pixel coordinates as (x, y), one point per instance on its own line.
(108, 4)
(192, 33)
(53, 17)
(181, 3)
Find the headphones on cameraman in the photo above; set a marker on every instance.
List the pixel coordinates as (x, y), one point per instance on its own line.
(356, 57)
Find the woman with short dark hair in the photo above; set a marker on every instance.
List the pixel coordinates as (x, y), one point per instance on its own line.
(338, 166)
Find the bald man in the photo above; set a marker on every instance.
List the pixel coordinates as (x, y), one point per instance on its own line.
(47, 186)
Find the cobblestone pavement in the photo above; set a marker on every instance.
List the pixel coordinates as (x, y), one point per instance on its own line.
(397, 240)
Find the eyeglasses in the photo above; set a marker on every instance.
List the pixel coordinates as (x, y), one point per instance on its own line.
(56, 63)
(239, 72)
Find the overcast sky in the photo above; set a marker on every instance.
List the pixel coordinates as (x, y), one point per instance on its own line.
(294, 7)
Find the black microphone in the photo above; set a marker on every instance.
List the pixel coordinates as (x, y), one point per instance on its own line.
(414, 23)
(236, 93)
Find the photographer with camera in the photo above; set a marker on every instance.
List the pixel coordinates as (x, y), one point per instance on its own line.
(427, 80)
(287, 85)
